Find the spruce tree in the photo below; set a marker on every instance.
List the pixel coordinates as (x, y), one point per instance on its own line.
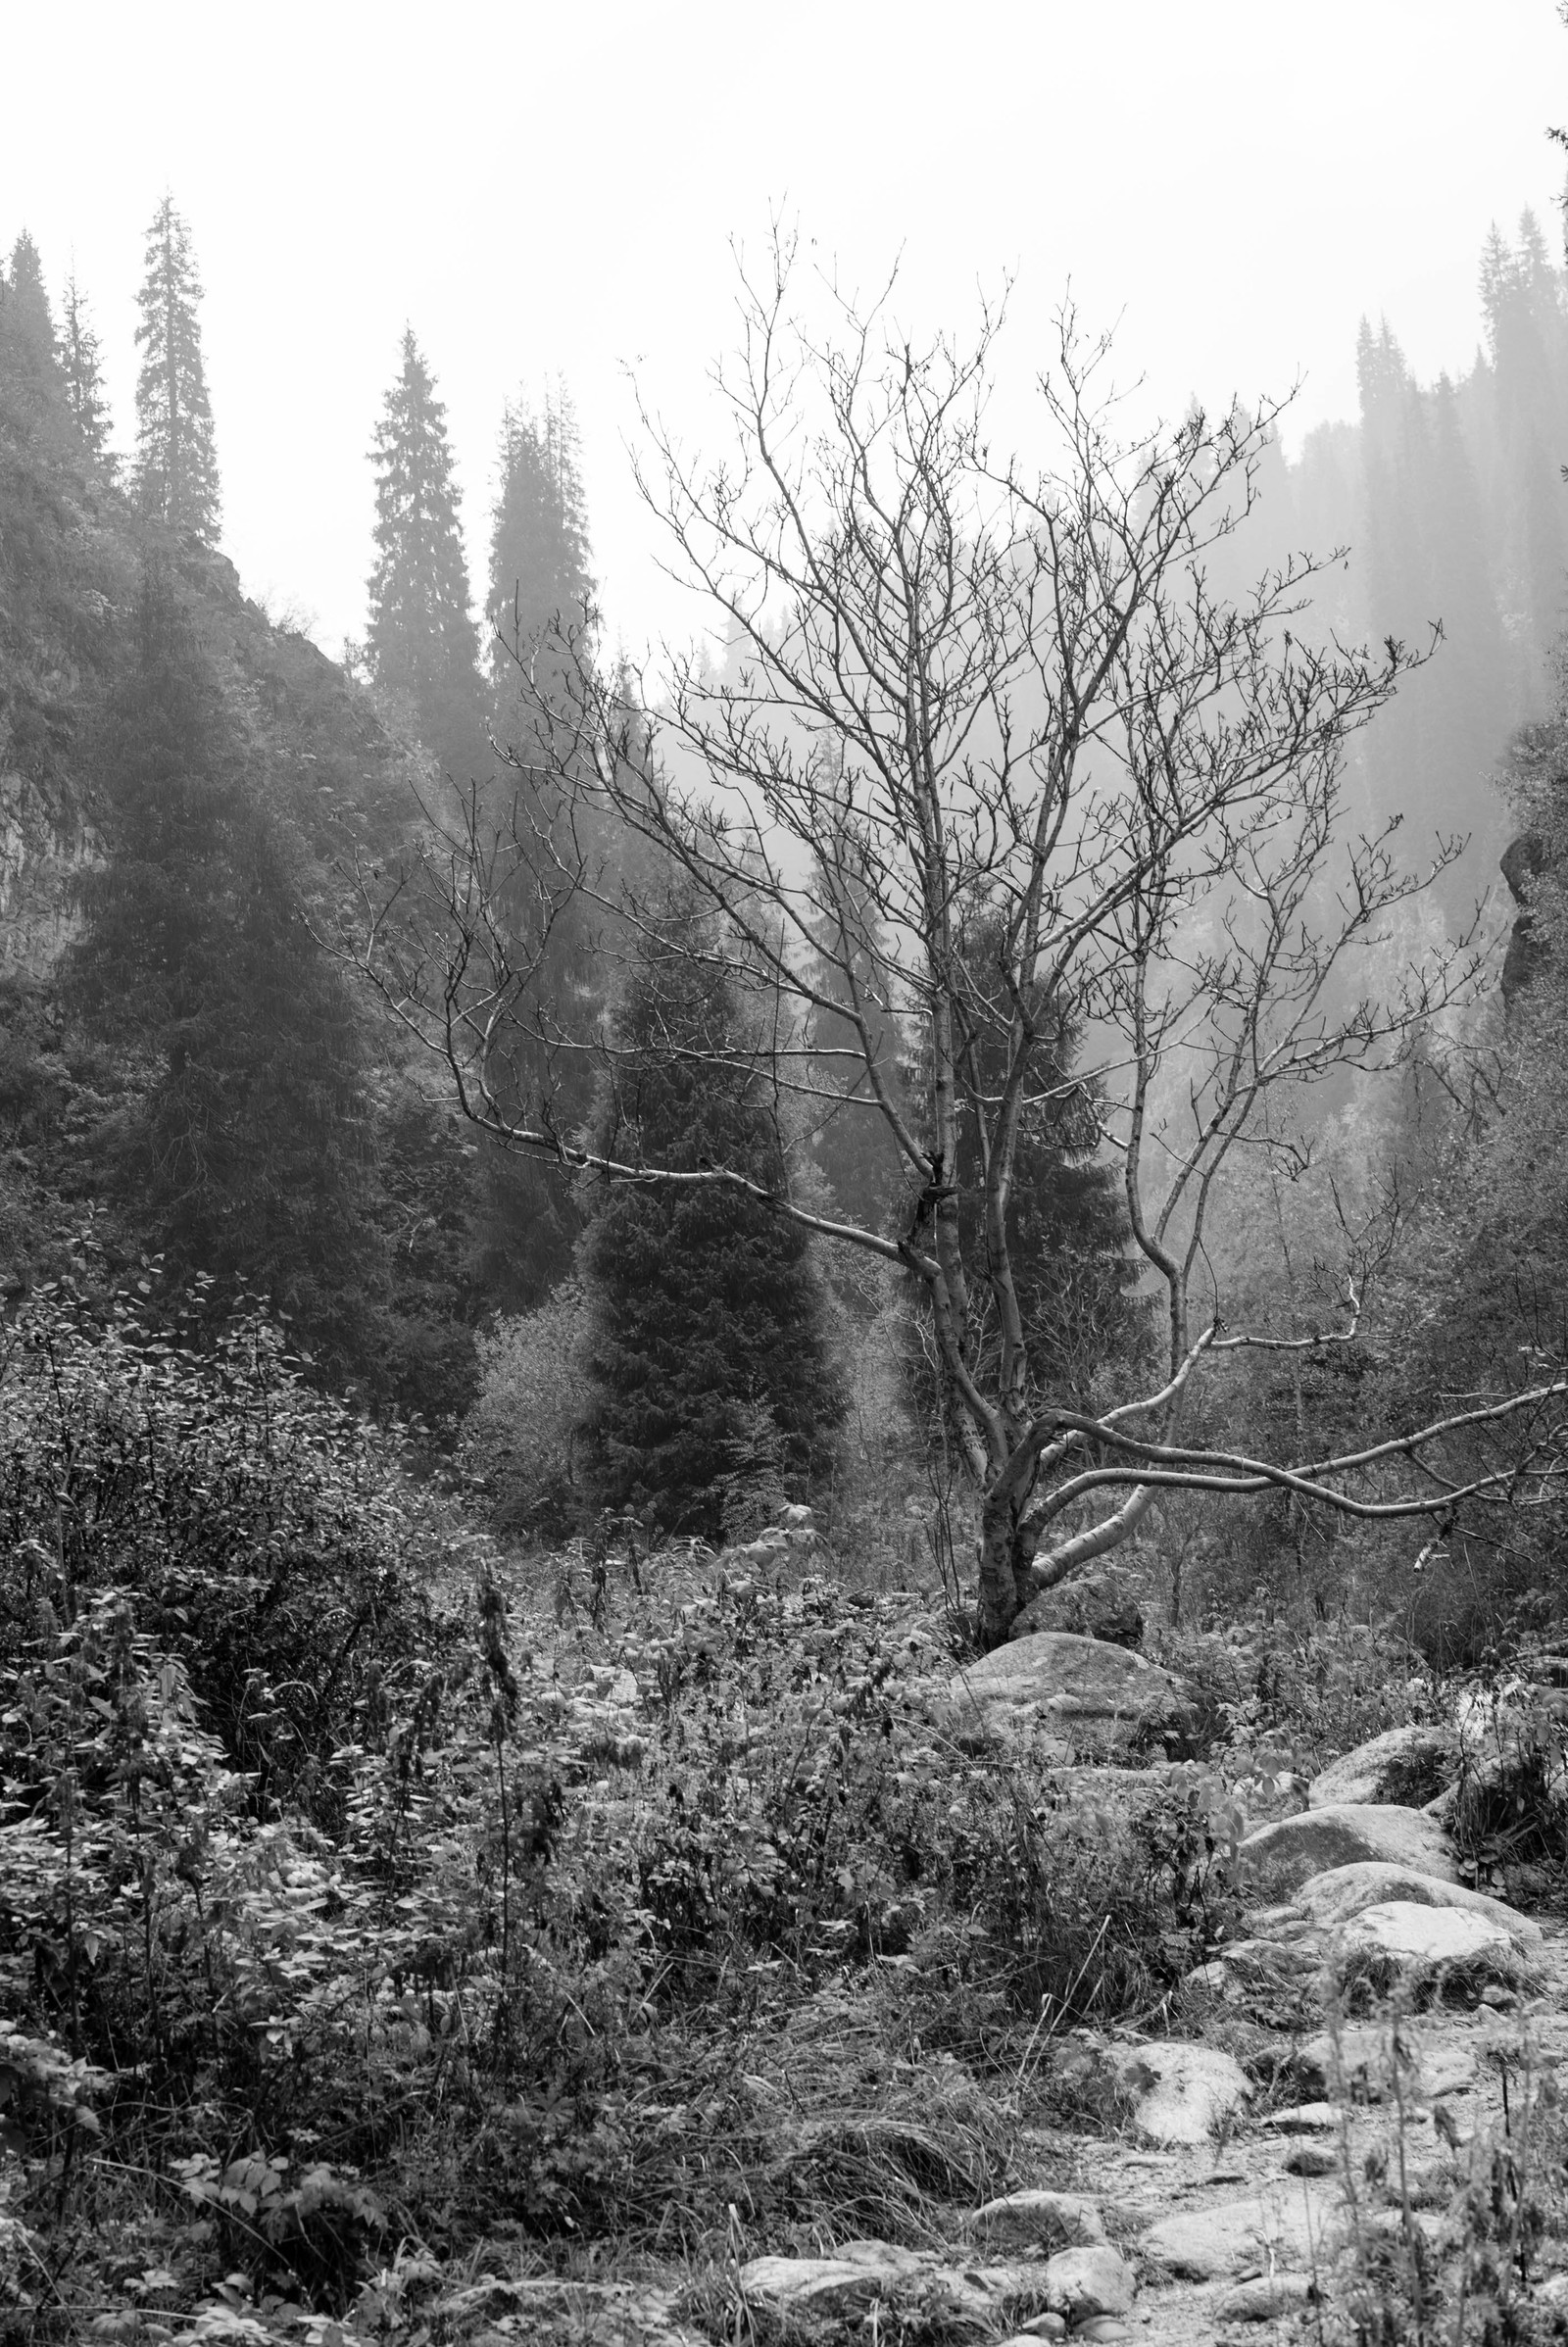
(539, 571)
(82, 369)
(539, 553)
(28, 327)
(421, 640)
(706, 1348)
(244, 1147)
(176, 461)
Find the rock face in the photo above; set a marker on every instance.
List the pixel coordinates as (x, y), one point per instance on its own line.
(1090, 1696)
(1331, 1899)
(1106, 1606)
(1409, 1766)
(1278, 1859)
(1405, 1945)
(1523, 861)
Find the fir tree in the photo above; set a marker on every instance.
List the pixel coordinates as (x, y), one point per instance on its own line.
(539, 553)
(707, 1349)
(245, 1151)
(82, 369)
(176, 461)
(539, 571)
(28, 327)
(422, 639)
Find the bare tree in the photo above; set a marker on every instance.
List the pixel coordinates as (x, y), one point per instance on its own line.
(994, 735)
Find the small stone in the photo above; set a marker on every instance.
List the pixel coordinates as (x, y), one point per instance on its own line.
(1103, 2328)
(1181, 2092)
(1312, 2159)
(1266, 2297)
(1083, 2282)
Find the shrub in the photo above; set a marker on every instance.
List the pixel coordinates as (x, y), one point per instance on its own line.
(257, 1529)
(520, 1437)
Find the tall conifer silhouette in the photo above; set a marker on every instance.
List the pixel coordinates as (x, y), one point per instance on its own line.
(82, 368)
(421, 638)
(176, 459)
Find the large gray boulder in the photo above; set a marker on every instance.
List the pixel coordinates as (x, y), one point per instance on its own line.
(1409, 1766)
(1278, 1859)
(1402, 1945)
(1326, 1901)
(1086, 1696)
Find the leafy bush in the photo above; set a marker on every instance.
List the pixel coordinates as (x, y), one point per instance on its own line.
(256, 1528)
(521, 1437)
(1302, 1693)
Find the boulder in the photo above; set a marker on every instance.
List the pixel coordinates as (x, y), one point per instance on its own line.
(1266, 2297)
(1180, 2092)
(1107, 1606)
(1086, 1694)
(1081, 2283)
(1408, 1766)
(1286, 2229)
(1325, 1901)
(1276, 1860)
(861, 2274)
(1357, 2061)
(1037, 2220)
(1305, 2119)
(1405, 1945)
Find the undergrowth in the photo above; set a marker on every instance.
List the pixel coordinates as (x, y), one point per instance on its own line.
(357, 1889)
(371, 1897)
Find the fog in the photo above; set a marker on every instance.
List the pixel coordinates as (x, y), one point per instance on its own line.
(552, 194)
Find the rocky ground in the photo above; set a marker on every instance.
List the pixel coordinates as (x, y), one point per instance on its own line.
(1351, 2133)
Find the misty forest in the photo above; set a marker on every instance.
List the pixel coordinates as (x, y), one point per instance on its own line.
(784, 1424)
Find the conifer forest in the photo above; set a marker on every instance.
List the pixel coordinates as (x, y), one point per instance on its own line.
(784, 1414)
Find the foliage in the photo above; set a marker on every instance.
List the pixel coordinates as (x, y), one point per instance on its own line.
(349, 1922)
(176, 478)
(521, 1437)
(245, 1520)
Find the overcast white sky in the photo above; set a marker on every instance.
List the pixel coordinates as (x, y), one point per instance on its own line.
(553, 190)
